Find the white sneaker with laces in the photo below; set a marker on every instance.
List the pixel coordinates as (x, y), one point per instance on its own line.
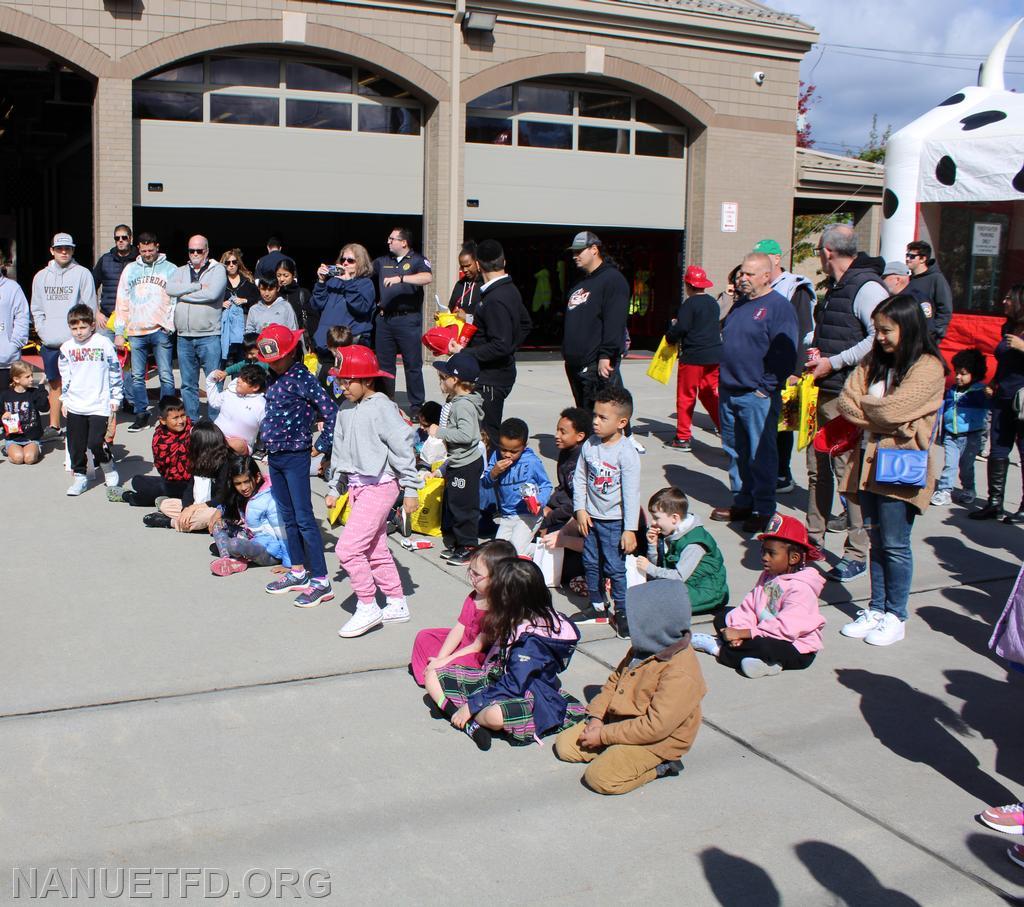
(705, 642)
(865, 622)
(395, 611)
(111, 479)
(367, 616)
(77, 486)
(890, 629)
(942, 499)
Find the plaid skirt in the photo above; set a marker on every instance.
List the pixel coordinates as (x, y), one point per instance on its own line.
(459, 683)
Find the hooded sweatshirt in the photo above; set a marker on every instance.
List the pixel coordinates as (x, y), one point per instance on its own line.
(461, 433)
(200, 299)
(13, 321)
(278, 312)
(263, 520)
(508, 487)
(54, 291)
(933, 286)
(782, 607)
(143, 305)
(595, 318)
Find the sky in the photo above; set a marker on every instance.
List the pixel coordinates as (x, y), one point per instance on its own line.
(922, 53)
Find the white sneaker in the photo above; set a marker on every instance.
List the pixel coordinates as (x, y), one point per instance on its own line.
(942, 499)
(111, 479)
(396, 611)
(367, 616)
(706, 643)
(866, 622)
(755, 667)
(890, 629)
(79, 485)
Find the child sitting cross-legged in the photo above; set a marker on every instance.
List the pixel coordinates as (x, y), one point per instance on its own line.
(172, 440)
(648, 712)
(778, 624)
(251, 530)
(21, 406)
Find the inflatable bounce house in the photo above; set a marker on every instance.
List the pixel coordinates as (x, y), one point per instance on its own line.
(954, 177)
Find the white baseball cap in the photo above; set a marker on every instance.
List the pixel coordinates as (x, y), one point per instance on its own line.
(62, 239)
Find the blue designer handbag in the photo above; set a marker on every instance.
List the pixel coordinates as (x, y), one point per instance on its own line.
(905, 467)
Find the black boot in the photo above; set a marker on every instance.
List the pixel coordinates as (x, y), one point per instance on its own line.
(1017, 517)
(996, 486)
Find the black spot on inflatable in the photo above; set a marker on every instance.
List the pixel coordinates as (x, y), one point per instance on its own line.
(1018, 180)
(985, 118)
(953, 99)
(945, 170)
(889, 203)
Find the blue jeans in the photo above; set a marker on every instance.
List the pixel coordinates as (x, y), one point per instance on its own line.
(195, 353)
(602, 557)
(960, 450)
(749, 427)
(888, 522)
(159, 344)
(289, 484)
(403, 333)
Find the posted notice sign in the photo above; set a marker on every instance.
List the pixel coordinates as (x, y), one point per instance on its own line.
(987, 238)
(730, 216)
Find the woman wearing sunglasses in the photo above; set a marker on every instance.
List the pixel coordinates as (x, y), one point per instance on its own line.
(239, 294)
(345, 297)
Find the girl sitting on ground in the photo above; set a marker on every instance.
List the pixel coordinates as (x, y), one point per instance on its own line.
(778, 625)
(517, 690)
(462, 644)
(251, 531)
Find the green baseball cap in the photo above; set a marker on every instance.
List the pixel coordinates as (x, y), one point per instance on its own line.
(768, 247)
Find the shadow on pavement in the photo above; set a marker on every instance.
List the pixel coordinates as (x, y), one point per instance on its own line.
(991, 850)
(917, 727)
(736, 882)
(987, 703)
(969, 631)
(847, 877)
(967, 563)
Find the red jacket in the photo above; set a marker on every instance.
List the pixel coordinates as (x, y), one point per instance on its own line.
(170, 453)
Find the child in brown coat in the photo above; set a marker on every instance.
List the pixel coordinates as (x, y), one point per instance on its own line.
(648, 712)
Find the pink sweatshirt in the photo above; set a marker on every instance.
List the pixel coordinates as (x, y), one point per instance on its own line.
(784, 607)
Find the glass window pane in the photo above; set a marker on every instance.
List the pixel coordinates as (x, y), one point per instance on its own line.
(167, 105)
(225, 108)
(189, 72)
(545, 135)
(613, 141)
(647, 112)
(394, 120)
(488, 131)
(659, 144)
(375, 86)
(544, 99)
(499, 99)
(239, 71)
(606, 106)
(318, 115)
(318, 77)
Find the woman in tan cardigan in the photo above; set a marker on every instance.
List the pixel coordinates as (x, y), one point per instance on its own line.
(894, 396)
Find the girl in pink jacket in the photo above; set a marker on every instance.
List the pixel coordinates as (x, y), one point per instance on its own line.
(778, 625)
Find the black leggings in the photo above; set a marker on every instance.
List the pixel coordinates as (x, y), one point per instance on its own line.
(148, 488)
(767, 649)
(85, 433)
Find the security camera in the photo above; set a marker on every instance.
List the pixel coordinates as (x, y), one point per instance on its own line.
(759, 77)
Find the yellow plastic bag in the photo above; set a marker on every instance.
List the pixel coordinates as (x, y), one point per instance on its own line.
(426, 520)
(340, 511)
(789, 415)
(665, 356)
(808, 412)
(447, 319)
(311, 362)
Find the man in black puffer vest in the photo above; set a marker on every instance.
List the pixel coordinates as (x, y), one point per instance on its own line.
(843, 334)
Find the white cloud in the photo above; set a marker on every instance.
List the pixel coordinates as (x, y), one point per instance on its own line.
(853, 88)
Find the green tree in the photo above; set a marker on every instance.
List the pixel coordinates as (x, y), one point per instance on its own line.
(874, 149)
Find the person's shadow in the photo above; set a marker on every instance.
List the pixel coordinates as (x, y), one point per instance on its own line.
(736, 882)
(917, 727)
(987, 703)
(847, 877)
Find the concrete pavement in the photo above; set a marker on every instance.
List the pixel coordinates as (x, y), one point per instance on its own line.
(155, 715)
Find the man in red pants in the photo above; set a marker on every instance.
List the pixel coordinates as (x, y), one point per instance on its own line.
(697, 331)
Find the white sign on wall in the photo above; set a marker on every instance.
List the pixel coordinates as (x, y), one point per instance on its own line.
(987, 239)
(730, 217)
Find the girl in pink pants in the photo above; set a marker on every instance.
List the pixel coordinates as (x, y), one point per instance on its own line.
(374, 455)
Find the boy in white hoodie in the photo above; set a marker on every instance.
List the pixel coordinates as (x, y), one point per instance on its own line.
(13, 327)
(92, 391)
(56, 289)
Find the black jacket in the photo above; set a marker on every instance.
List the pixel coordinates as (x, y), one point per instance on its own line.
(108, 272)
(298, 298)
(934, 287)
(246, 291)
(697, 331)
(502, 324)
(595, 318)
(465, 296)
(561, 500)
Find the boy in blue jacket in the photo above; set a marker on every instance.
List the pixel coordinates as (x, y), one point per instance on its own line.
(964, 419)
(521, 486)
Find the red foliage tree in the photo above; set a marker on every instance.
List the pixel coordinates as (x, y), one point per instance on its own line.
(804, 101)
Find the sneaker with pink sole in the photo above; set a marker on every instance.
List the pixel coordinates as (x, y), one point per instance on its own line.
(225, 566)
(1008, 819)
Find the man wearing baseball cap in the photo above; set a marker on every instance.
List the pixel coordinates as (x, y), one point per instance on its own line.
(697, 331)
(62, 284)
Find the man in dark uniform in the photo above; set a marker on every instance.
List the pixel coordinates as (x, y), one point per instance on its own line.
(401, 276)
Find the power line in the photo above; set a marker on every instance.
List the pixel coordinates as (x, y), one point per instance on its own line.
(879, 59)
(914, 53)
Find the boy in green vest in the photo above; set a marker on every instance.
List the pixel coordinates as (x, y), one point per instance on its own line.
(690, 554)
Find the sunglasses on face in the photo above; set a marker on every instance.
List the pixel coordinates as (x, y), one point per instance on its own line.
(231, 261)
(394, 239)
(347, 261)
(911, 255)
(197, 251)
(119, 238)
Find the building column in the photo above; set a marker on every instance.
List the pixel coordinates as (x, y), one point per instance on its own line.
(113, 167)
(867, 226)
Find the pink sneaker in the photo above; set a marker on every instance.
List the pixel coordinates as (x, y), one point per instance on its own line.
(225, 566)
(1007, 819)
(1016, 853)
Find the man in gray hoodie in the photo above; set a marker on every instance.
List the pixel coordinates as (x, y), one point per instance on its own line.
(63, 283)
(199, 288)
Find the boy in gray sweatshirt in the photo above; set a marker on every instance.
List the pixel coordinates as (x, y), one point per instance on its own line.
(460, 517)
(271, 309)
